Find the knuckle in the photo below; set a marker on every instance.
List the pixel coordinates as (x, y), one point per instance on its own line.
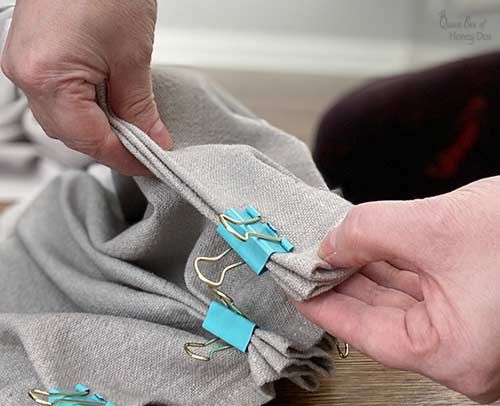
(374, 295)
(93, 148)
(140, 109)
(440, 223)
(439, 215)
(29, 75)
(139, 59)
(390, 277)
(141, 106)
(142, 58)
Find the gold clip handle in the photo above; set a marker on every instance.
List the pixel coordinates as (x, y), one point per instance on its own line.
(343, 352)
(38, 396)
(41, 397)
(225, 220)
(189, 351)
(209, 282)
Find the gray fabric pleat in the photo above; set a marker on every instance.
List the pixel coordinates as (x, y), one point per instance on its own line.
(101, 286)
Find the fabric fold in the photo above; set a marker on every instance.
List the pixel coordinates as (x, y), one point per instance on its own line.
(102, 285)
(256, 167)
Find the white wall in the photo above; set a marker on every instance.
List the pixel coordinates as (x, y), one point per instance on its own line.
(317, 36)
(358, 18)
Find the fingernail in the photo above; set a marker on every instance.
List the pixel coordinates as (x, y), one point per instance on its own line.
(327, 246)
(160, 135)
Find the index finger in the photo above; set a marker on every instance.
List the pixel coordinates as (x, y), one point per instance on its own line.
(379, 332)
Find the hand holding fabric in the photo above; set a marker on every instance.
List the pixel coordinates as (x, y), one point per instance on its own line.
(426, 298)
(58, 51)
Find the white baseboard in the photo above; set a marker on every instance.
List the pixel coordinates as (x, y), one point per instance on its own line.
(285, 53)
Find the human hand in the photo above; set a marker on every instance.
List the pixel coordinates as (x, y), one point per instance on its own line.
(58, 50)
(427, 295)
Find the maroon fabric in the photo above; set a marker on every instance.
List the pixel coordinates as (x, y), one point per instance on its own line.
(416, 134)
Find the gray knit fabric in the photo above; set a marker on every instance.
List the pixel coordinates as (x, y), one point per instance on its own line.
(226, 158)
(99, 288)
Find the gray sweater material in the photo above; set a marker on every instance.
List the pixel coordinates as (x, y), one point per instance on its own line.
(99, 288)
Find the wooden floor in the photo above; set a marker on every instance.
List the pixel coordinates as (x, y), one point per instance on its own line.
(362, 382)
(295, 103)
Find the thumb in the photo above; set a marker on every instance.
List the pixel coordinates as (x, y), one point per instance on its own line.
(392, 231)
(132, 99)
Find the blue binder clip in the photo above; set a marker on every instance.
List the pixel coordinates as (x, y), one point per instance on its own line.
(79, 396)
(254, 241)
(229, 326)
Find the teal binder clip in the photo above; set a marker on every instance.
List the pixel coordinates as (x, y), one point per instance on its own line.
(254, 241)
(226, 321)
(231, 327)
(79, 396)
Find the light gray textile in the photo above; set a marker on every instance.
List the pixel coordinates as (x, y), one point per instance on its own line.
(227, 159)
(6, 3)
(6, 11)
(101, 286)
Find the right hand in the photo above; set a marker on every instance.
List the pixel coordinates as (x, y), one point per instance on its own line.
(427, 296)
(57, 51)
